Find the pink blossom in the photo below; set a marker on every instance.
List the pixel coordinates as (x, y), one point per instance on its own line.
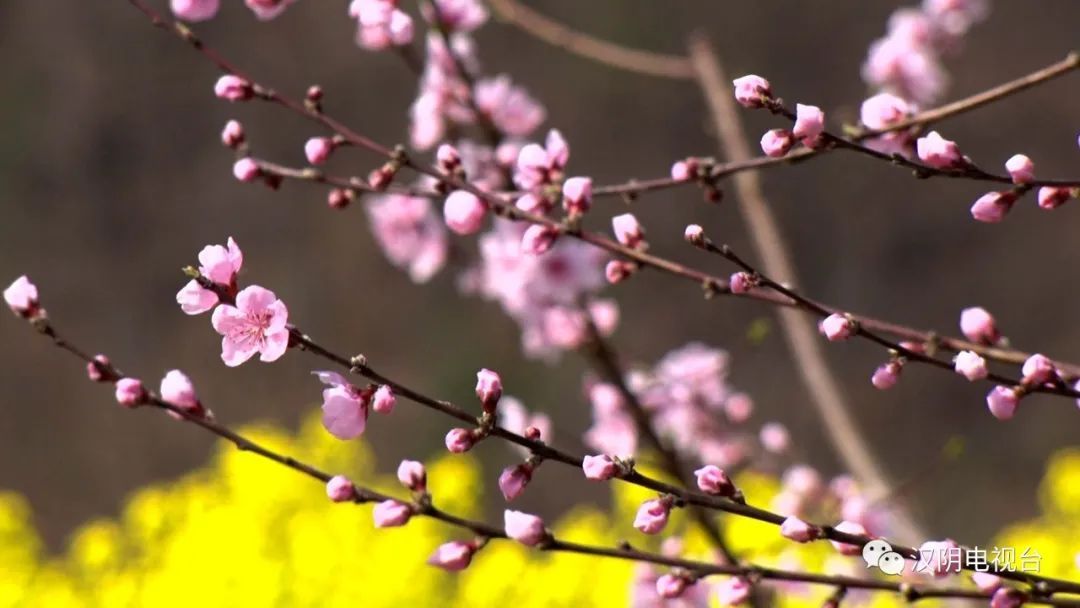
(447, 157)
(694, 233)
(246, 170)
(809, 122)
(412, 475)
(956, 16)
(1002, 402)
(774, 437)
(531, 203)
(628, 230)
(848, 527)
(599, 468)
(992, 206)
(752, 91)
(738, 407)
(712, 479)
(258, 323)
(538, 239)
(194, 10)
(886, 375)
(453, 556)
(344, 408)
(340, 489)
(410, 234)
(22, 297)
(939, 558)
(978, 325)
(177, 389)
(1038, 369)
(938, 152)
(970, 365)
(318, 149)
(684, 170)
(537, 165)
(383, 400)
(577, 195)
(652, 515)
(510, 108)
(267, 9)
(513, 480)
(911, 70)
(883, 110)
(457, 15)
(525, 528)
(837, 327)
(464, 212)
(1008, 597)
(802, 480)
(99, 370)
(733, 591)
(1020, 168)
(380, 24)
(1052, 198)
(740, 282)
(232, 135)
(218, 263)
(233, 88)
(617, 271)
(391, 514)
(564, 327)
(488, 389)
(460, 440)
(798, 530)
(777, 142)
(985, 581)
(671, 586)
(130, 392)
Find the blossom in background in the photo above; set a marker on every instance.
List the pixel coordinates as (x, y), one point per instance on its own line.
(410, 233)
(380, 24)
(455, 15)
(268, 9)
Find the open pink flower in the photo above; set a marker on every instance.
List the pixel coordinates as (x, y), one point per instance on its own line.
(220, 264)
(345, 407)
(257, 324)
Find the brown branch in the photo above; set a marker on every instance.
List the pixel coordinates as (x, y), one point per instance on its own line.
(590, 47)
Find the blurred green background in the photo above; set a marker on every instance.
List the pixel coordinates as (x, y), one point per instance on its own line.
(112, 178)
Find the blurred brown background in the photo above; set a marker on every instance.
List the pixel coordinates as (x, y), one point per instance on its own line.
(112, 178)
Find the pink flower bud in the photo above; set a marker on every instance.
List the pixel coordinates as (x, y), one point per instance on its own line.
(383, 400)
(530, 203)
(992, 207)
(318, 149)
(883, 110)
(684, 170)
(460, 440)
(970, 365)
(233, 88)
(978, 326)
(538, 239)
(1052, 198)
(464, 212)
(130, 392)
(848, 527)
(98, 369)
(670, 586)
(1038, 369)
(774, 437)
(1008, 597)
(616, 271)
(246, 170)
(453, 556)
(1002, 402)
(489, 389)
(448, 157)
(599, 468)
(985, 581)
(733, 591)
(177, 389)
(752, 91)
(513, 480)
(712, 479)
(233, 134)
(577, 195)
(798, 530)
(1020, 168)
(935, 558)
(524, 528)
(694, 234)
(194, 10)
(340, 489)
(886, 375)
(837, 327)
(412, 475)
(809, 122)
(740, 282)
(652, 515)
(776, 142)
(22, 298)
(391, 514)
(938, 152)
(627, 229)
